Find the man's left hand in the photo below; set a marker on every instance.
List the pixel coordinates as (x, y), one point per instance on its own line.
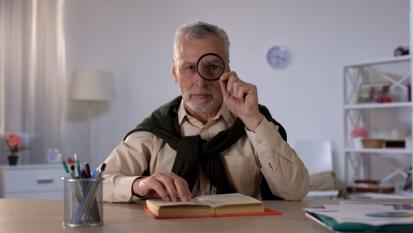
(241, 98)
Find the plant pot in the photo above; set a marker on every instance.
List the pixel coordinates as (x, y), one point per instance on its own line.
(12, 159)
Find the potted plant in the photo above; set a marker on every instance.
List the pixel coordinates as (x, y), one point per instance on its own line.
(13, 142)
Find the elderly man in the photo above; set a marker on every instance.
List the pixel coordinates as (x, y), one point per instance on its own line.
(214, 138)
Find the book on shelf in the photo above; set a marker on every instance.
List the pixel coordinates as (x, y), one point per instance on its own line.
(359, 216)
(220, 205)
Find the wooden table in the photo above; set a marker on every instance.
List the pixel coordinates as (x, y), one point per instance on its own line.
(44, 216)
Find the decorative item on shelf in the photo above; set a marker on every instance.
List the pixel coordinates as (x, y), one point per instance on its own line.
(13, 142)
(395, 143)
(374, 92)
(396, 140)
(373, 143)
(401, 51)
(383, 95)
(400, 92)
(358, 134)
(369, 186)
(366, 182)
(364, 94)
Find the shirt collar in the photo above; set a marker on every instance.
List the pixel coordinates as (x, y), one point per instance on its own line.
(223, 111)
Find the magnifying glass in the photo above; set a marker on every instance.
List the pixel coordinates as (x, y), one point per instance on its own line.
(210, 66)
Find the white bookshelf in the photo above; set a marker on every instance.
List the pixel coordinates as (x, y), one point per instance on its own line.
(378, 117)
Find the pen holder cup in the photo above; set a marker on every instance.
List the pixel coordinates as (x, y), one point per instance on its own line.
(83, 206)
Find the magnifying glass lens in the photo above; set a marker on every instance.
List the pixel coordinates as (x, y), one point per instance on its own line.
(210, 66)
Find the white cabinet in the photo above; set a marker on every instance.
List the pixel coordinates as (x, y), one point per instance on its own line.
(32, 181)
(377, 97)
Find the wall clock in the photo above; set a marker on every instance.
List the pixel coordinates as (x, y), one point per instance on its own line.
(278, 57)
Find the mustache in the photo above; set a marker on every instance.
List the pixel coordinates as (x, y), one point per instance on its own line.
(202, 92)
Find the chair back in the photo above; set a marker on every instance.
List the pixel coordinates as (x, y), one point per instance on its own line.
(315, 154)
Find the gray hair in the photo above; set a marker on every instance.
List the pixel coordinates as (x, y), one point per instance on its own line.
(200, 30)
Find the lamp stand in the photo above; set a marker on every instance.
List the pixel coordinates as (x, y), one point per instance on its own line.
(89, 132)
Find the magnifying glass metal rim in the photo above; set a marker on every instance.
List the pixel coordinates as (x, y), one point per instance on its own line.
(208, 54)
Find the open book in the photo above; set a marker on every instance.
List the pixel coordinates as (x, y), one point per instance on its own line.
(233, 204)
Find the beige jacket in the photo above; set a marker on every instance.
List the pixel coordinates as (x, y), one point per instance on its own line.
(262, 152)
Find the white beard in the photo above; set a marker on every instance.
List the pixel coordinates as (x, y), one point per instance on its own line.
(203, 107)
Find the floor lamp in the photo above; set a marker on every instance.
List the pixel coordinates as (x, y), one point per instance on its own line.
(92, 87)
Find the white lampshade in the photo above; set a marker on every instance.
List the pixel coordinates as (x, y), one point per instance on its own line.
(91, 85)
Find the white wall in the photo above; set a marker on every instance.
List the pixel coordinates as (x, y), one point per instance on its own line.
(133, 40)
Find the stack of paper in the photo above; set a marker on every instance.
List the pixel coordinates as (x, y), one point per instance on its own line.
(364, 217)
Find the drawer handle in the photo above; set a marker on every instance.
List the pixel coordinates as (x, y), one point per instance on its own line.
(45, 180)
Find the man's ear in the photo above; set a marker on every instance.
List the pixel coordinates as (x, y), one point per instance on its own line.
(173, 71)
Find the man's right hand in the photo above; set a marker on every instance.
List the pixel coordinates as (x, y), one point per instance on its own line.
(168, 186)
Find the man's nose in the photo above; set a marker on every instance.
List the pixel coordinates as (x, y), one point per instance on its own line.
(199, 81)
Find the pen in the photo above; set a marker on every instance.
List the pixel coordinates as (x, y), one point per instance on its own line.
(102, 169)
(98, 174)
(94, 174)
(87, 169)
(77, 161)
(84, 174)
(72, 171)
(77, 188)
(64, 164)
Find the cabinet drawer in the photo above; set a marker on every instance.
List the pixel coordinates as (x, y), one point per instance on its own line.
(50, 195)
(32, 180)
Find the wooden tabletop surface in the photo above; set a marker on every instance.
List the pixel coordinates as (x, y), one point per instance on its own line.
(44, 216)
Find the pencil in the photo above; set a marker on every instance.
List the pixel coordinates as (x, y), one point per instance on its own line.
(64, 164)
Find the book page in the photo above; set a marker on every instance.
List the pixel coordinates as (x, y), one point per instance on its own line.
(226, 199)
(161, 203)
(210, 200)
